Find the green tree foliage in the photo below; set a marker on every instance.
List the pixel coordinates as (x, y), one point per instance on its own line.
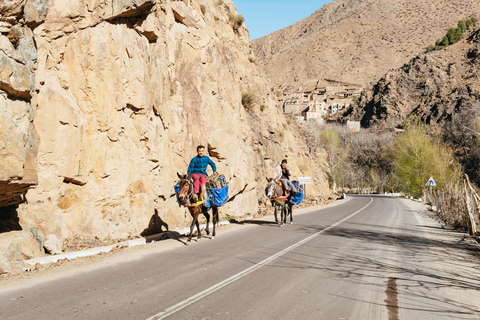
(430, 48)
(471, 22)
(444, 42)
(417, 156)
(454, 35)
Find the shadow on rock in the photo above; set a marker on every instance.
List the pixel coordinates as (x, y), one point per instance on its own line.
(9, 220)
(155, 226)
(158, 230)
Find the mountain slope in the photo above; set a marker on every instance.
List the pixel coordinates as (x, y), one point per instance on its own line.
(433, 86)
(357, 40)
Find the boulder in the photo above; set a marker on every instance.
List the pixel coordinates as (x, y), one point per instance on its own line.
(19, 245)
(52, 244)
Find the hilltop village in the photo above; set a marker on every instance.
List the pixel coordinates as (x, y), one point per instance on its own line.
(318, 100)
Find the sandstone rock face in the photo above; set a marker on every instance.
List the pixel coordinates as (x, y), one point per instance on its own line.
(18, 138)
(121, 94)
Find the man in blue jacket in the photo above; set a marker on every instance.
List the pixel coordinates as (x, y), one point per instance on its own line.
(198, 168)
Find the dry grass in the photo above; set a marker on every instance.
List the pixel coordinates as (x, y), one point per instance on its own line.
(451, 206)
(249, 99)
(236, 20)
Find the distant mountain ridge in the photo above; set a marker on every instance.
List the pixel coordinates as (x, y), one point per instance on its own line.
(357, 41)
(433, 86)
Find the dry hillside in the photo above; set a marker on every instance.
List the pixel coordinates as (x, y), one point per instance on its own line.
(434, 86)
(357, 40)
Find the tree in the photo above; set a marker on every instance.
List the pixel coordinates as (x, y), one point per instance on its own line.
(454, 35)
(367, 155)
(462, 133)
(417, 156)
(337, 154)
(462, 25)
(444, 42)
(472, 21)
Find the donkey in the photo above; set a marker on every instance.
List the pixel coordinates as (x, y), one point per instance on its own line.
(185, 196)
(279, 201)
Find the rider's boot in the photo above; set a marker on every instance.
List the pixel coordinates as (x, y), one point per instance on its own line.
(203, 192)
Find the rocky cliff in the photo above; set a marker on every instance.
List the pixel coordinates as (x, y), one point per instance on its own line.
(102, 102)
(432, 86)
(357, 40)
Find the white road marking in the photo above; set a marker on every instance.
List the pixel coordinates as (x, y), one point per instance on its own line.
(179, 306)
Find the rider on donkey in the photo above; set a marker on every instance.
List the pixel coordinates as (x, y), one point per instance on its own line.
(283, 174)
(198, 167)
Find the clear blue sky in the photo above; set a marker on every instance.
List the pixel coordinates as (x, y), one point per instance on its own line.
(263, 17)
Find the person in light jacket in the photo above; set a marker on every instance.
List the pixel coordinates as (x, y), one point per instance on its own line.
(283, 174)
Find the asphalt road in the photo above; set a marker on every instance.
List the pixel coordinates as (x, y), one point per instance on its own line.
(368, 257)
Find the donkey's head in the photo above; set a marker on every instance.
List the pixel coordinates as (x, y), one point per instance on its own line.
(272, 188)
(186, 188)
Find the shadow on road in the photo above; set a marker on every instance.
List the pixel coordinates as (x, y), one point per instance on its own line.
(424, 267)
(256, 222)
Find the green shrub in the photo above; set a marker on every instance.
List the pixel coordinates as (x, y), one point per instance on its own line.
(329, 138)
(454, 35)
(472, 21)
(444, 42)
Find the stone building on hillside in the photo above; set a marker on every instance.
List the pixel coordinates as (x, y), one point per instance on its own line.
(318, 99)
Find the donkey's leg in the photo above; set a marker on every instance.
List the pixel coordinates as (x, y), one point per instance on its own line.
(214, 220)
(282, 214)
(199, 233)
(207, 216)
(195, 218)
(275, 212)
(285, 206)
(290, 209)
